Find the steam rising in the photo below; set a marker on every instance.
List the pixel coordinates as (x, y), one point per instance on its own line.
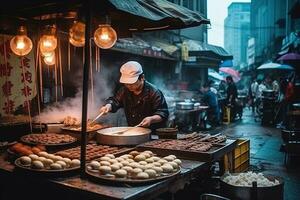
(103, 87)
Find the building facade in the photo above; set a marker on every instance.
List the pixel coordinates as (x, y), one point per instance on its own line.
(271, 21)
(237, 32)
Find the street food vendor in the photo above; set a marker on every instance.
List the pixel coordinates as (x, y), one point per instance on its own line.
(143, 103)
(211, 99)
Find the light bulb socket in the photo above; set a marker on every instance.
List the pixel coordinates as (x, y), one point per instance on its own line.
(22, 30)
(50, 30)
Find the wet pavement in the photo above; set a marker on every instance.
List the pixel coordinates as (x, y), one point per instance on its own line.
(265, 154)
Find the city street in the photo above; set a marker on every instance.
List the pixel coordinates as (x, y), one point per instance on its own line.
(265, 155)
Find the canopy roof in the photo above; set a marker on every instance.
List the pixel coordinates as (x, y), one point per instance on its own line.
(125, 15)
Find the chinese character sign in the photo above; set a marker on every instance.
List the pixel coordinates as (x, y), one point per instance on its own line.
(17, 78)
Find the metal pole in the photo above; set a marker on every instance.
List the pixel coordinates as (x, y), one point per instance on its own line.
(85, 85)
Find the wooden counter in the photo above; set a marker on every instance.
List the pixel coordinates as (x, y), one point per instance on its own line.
(14, 185)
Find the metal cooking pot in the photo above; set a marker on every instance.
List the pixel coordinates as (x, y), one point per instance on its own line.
(185, 105)
(123, 135)
(252, 193)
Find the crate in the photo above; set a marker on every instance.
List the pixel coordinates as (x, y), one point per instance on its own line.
(227, 115)
(241, 155)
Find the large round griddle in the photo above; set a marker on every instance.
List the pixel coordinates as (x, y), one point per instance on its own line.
(123, 135)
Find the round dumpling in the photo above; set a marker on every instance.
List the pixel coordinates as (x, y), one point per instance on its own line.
(168, 158)
(174, 164)
(33, 157)
(121, 173)
(142, 175)
(55, 166)
(119, 159)
(48, 162)
(104, 163)
(128, 169)
(134, 165)
(111, 156)
(157, 164)
(162, 161)
(151, 172)
(134, 153)
(125, 163)
(37, 164)
(143, 163)
(130, 160)
(95, 164)
(158, 170)
(135, 171)
(75, 163)
(149, 166)
(147, 155)
(113, 161)
(177, 161)
(167, 168)
(155, 158)
(62, 163)
(104, 158)
(148, 152)
(104, 170)
(43, 154)
(67, 160)
(139, 158)
(149, 160)
(115, 167)
(25, 160)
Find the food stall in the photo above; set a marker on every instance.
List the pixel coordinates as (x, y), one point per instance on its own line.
(78, 158)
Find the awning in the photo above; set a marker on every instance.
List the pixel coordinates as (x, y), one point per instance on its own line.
(198, 49)
(141, 47)
(126, 15)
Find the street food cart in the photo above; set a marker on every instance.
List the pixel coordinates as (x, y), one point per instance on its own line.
(52, 164)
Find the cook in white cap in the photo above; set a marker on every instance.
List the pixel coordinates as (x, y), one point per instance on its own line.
(143, 103)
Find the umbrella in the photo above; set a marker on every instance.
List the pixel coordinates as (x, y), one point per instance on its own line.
(235, 74)
(216, 75)
(289, 56)
(275, 66)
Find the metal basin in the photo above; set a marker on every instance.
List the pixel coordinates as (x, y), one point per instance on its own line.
(185, 105)
(253, 193)
(123, 135)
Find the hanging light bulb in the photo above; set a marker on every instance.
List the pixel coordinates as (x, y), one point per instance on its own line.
(20, 44)
(105, 36)
(48, 41)
(50, 58)
(77, 34)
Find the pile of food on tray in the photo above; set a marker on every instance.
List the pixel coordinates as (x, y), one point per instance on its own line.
(184, 145)
(214, 139)
(48, 139)
(47, 161)
(22, 149)
(134, 166)
(72, 123)
(93, 151)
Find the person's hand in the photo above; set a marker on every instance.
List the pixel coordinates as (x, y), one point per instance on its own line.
(146, 122)
(105, 109)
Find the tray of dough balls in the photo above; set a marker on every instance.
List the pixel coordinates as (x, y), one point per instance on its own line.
(47, 163)
(134, 167)
(48, 139)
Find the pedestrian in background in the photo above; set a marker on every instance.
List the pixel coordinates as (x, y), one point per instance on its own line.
(211, 99)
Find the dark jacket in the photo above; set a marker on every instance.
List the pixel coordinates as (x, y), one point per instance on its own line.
(231, 90)
(150, 102)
